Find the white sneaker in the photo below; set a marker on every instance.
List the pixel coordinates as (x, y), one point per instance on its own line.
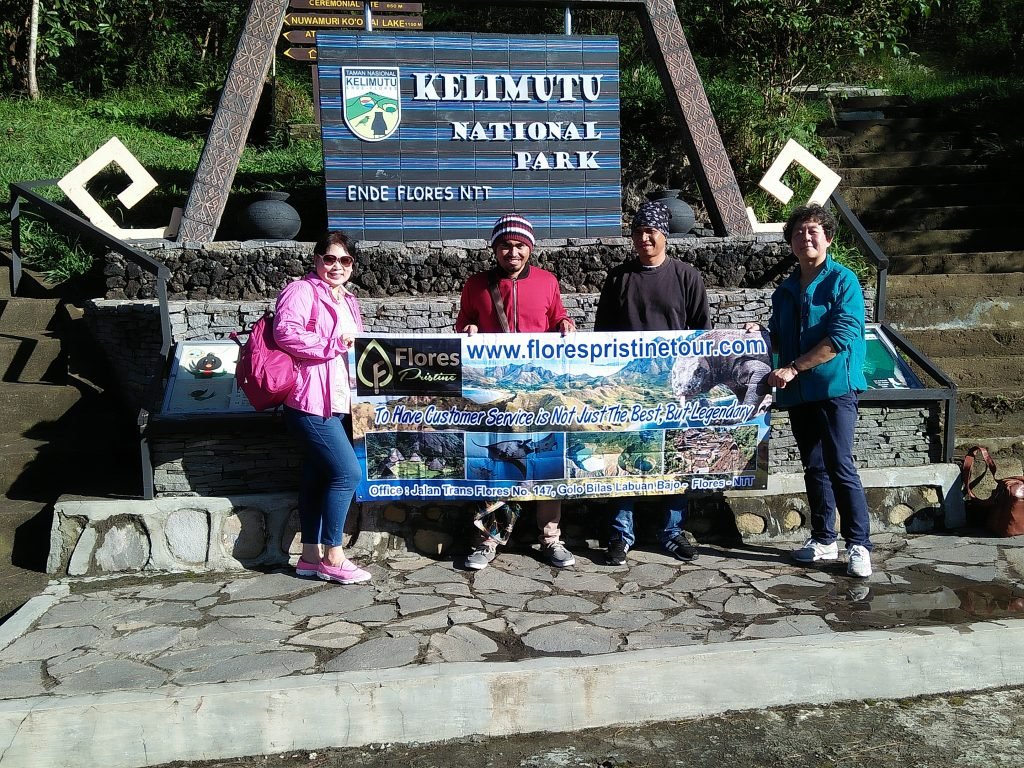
(814, 551)
(481, 557)
(858, 561)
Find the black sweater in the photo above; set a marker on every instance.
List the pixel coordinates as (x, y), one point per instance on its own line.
(669, 297)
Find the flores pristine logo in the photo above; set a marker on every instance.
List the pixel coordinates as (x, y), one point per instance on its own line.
(408, 366)
(373, 103)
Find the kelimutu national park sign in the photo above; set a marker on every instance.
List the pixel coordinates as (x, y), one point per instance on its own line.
(430, 137)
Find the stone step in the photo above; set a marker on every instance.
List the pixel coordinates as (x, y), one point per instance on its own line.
(1007, 451)
(897, 196)
(1000, 412)
(911, 158)
(944, 217)
(23, 315)
(1010, 284)
(32, 357)
(873, 102)
(24, 544)
(991, 262)
(955, 312)
(897, 242)
(924, 175)
(5, 281)
(906, 122)
(991, 371)
(969, 342)
(16, 454)
(881, 139)
(26, 406)
(36, 469)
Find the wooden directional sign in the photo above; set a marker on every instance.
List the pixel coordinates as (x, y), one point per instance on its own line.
(308, 36)
(324, 21)
(301, 54)
(344, 21)
(356, 5)
(397, 22)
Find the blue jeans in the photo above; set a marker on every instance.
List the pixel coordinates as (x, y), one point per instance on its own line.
(824, 434)
(674, 510)
(330, 473)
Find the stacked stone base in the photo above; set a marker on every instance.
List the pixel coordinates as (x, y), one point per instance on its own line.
(257, 531)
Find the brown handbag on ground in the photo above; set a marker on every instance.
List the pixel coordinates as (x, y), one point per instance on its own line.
(1003, 511)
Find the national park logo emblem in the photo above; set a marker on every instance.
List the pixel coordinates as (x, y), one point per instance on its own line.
(373, 102)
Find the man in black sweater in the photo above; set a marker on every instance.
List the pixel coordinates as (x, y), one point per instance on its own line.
(652, 293)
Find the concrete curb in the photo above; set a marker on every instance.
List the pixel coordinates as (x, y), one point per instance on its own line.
(25, 616)
(444, 701)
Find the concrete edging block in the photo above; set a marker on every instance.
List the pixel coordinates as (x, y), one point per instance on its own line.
(445, 701)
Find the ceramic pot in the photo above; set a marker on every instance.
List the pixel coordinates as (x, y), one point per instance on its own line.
(271, 218)
(683, 219)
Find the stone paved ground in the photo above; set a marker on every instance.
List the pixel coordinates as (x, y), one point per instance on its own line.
(116, 634)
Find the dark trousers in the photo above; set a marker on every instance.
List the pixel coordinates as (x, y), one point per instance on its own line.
(824, 434)
(330, 473)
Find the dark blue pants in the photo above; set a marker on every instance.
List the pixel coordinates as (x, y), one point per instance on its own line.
(330, 474)
(674, 513)
(824, 434)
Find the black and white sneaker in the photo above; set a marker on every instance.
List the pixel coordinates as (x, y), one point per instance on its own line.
(616, 552)
(681, 549)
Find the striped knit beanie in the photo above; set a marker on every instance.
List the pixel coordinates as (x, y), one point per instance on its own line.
(515, 227)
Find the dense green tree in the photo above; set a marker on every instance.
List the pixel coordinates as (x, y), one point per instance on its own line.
(91, 47)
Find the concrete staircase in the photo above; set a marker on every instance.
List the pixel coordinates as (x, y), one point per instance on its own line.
(61, 432)
(936, 189)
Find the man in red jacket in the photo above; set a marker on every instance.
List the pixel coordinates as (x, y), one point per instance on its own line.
(515, 297)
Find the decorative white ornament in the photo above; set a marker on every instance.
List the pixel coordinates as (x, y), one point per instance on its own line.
(772, 183)
(73, 185)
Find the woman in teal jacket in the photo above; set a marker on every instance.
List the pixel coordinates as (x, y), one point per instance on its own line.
(817, 325)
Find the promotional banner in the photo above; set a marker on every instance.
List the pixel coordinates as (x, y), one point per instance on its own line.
(539, 416)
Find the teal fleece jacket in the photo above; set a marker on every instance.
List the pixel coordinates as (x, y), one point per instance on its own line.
(833, 307)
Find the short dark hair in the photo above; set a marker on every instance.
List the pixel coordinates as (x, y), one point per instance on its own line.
(335, 237)
(813, 213)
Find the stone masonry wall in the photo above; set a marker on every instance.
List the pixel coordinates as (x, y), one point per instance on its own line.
(259, 269)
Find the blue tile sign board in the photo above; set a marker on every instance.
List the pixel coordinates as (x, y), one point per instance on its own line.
(538, 416)
(431, 137)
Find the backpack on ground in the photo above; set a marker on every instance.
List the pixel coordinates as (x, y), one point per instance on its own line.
(264, 372)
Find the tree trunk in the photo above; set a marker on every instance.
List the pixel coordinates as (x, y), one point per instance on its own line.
(33, 37)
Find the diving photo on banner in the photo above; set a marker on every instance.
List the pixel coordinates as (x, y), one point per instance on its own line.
(538, 416)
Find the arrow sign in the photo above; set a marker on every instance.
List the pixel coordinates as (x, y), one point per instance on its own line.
(356, 5)
(322, 21)
(308, 36)
(328, 5)
(301, 54)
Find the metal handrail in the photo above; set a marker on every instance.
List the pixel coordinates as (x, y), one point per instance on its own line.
(946, 391)
(57, 214)
(869, 249)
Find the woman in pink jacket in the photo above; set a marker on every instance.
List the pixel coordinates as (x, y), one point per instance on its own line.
(315, 322)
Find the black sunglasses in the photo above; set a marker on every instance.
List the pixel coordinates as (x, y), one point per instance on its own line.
(330, 258)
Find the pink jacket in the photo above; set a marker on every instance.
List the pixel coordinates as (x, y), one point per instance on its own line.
(314, 348)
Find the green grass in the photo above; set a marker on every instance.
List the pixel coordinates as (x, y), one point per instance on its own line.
(165, 130)
(910, 76)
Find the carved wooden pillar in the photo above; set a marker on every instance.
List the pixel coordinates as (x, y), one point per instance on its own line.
(685, 91)
(231, 121)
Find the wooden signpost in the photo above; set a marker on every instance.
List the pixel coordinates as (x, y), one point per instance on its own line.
(340, 15)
